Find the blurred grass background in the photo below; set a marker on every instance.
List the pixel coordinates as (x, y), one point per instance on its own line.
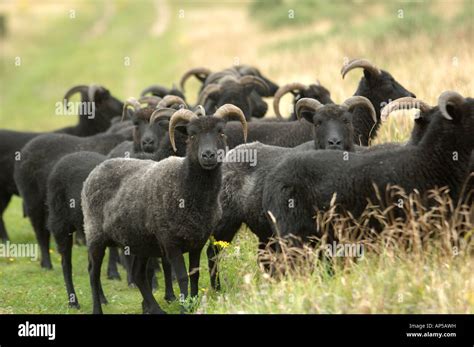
(428, 47)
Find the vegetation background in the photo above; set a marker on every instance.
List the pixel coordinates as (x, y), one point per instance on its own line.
(48, 46)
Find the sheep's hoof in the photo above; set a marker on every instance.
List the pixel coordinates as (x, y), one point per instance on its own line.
(46, 265)
(170, 297)
(131, 285)
(152, 310)
(75, 305)
(114, 275)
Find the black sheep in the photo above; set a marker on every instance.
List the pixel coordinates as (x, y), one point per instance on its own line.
(136, 203)
(248, 98)
(310, 179)
(299, 91)
(38, 158)
(11, 142)
(380, 88)
(243, 182)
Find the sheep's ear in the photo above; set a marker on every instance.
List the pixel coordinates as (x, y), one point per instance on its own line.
(455, 111)
(182, 128)
(368, 75)
(308, 114)
(101, 94)
(163, 124)
(249, 88)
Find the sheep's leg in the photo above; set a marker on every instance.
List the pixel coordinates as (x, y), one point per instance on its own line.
(37, 218)
(153, 267)
(142, 280)
(168, 274)
(177, 262)
(194, 259)
(112, 269)
(127, 261)
(225, 231)
(96, 256)
(4, 200)
(64, 242)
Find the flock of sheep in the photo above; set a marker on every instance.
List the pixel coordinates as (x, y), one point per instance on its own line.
(146, 177)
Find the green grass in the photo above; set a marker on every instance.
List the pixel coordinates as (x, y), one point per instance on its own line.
(57, 57)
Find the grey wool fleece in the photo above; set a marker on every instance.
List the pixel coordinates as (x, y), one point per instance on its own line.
(149, 206)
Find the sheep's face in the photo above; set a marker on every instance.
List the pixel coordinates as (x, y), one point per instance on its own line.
(146, 136)
(235, 94)
(205, 139)
(332, 127)
(381, 89)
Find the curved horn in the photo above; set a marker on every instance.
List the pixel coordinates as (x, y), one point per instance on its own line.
(170, 100)
(76, 89)
(228, 111)
(193, 72)
(404, 103)
(182, 115)
(362, 63)
(93, 88)
(164, 113)
(149, 99)
(199, 110)
(130, 102)
(282, 91)
(254, 80)
(449, 97)
(208, 90)
(155, 90)
(357, 100)
(307, 102)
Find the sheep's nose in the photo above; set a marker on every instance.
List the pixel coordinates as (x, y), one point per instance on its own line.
(148, 141)
(208, 155)
(334, 141)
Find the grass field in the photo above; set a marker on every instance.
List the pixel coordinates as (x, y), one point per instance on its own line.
(429, 49)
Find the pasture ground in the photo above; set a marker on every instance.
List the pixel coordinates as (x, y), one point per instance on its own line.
(427, 47)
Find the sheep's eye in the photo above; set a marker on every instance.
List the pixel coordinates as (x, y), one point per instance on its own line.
(222, 134)
(192, 137)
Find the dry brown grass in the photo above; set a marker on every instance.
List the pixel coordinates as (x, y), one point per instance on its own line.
(222, 35)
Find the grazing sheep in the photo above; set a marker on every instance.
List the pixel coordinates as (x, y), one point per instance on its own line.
(38, 158)
(136, 203)
(11, 142)
(299, 91)
(310, 179)
(243, 182)
(380, 88)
